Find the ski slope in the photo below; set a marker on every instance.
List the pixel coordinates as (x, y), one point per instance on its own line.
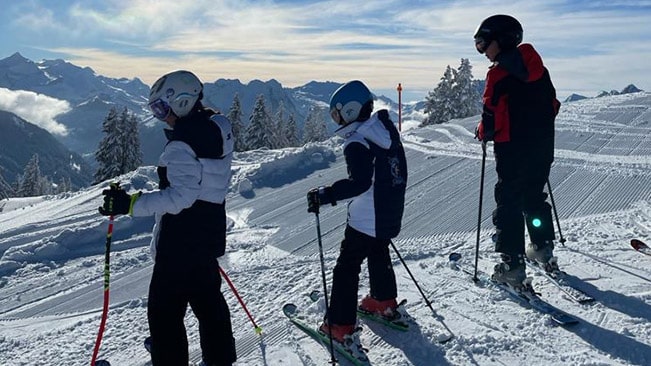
(52, 252)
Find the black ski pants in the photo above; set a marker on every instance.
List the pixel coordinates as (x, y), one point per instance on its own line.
(173, 286)
(356, 247)
(522, 172)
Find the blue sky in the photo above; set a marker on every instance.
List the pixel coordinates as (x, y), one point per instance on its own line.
(588, 46)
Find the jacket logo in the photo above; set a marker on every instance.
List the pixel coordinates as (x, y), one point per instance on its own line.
(394, 164)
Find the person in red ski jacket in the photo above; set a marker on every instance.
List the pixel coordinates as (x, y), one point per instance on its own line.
(519, 109)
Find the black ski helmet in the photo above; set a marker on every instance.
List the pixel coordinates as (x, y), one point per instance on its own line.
(504, 29)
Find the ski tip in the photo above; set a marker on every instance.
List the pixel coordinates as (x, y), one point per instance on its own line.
(444, 337)
(454, 257)
(314, 295)
(638, 244)
(102, 363)
(290, 309)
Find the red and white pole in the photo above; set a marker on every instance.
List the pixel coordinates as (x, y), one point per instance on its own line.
(399, 107)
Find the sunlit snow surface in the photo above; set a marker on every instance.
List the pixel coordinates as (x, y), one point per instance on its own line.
(52, 253)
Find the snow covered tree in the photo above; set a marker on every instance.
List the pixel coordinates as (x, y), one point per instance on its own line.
(440, 103)
(132, 158)
(6, 190)
(465, 93)
(291, 132)
(235, 116)
(258, 133)
(279, 138)
(119, 150)
(109, 148)
(31, 182)
(64, 185)
(315, 129)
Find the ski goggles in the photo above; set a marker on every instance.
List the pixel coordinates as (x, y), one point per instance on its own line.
(335, 114)
(481, 44)
(160, 109)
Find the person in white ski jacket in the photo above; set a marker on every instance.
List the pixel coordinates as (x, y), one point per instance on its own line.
(376, 183)
(190, 231)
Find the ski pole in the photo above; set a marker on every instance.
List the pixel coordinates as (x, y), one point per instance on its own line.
(325, 286)
(429, 303)
(258, 330)
(558, 223)
(481, 199)
(107, 274)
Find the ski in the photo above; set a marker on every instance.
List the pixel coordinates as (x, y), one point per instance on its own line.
(355, 354)
(640, 246)
(400, 324)
(524, 297)
(560, 280)
(102, 363)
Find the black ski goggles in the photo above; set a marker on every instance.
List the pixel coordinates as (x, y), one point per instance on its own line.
(481, 44)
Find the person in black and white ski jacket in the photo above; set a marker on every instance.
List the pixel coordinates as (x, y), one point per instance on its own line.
(376, 183)
(190, 231)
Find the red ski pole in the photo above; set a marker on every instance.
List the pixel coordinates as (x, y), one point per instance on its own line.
(107, 274)
(258, 330)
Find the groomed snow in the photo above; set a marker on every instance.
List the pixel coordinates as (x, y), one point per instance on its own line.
(52, 252)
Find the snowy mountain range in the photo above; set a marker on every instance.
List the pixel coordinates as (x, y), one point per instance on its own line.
(91, 96)
(20, 139)
(52, 250)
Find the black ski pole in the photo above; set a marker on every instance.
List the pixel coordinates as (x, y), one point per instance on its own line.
(429, 303)
(325, 286)
(558, 223)
(481, 199)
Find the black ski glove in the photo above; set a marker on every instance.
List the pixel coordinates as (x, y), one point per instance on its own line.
(319, 196)
(117, 201)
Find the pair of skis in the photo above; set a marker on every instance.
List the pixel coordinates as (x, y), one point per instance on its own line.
(525, 296)
(354, 352)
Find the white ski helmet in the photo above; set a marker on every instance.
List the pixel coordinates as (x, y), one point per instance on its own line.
(353, 101)
(177, 92)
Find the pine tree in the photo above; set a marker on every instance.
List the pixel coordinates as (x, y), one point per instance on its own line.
(65, 185)
(315, 129)
(439, 103)
(132, 158)
(109, 148)
(31, 182)
(6, 190)
(291, 132)
(258, 133)
(466, 95)
(279, 138)
(235, 117)
(119, 151)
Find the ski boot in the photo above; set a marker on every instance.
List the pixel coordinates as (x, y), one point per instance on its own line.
(339, 332)
(511, 271)
(387, 309)
(543, 255)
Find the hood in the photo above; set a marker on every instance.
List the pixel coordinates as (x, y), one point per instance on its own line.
(371, 129)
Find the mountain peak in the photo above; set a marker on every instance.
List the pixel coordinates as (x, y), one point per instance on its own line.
(14, 59)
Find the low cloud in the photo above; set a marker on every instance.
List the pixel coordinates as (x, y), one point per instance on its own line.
(35, 108)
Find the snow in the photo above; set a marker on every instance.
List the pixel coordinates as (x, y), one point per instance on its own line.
(52, 253)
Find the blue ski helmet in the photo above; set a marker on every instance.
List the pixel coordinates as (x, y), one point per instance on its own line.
(352, 102)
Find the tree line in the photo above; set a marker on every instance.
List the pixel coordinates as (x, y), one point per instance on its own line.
(457, 95)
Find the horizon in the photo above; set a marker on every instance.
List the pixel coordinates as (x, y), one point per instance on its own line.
(594, 46)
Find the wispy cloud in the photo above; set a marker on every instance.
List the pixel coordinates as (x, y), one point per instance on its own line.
(35, 108)
(382, 42)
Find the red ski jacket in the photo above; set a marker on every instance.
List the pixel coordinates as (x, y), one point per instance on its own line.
(519, 99)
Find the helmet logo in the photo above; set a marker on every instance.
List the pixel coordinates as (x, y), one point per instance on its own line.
(169, 92)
